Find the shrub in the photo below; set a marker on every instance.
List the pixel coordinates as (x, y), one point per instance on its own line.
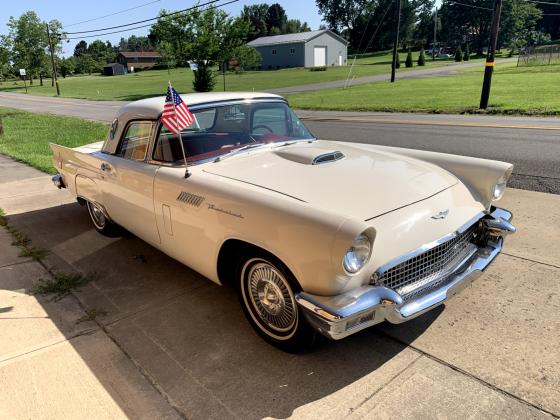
(398, 63)
(458, 54)
(408, 63)
(422, 58)
(204, 79)
(467, 55)
(318, 69)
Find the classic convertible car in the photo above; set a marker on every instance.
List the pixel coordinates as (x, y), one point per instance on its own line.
(316, 236)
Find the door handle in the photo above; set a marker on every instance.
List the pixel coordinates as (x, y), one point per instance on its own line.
(105, 167)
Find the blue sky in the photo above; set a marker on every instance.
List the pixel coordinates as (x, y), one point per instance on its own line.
(72, 11)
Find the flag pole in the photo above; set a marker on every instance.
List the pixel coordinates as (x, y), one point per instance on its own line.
(187, 173)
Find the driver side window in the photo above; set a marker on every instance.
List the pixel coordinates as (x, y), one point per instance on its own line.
(134, 143)
(269, 120)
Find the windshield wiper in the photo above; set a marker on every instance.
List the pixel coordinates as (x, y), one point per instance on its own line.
(290, 142)
(241, 149)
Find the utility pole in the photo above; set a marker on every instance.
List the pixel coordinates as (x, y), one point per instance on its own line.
(52, 61)
(435, 34)
(396, 44)
(489, 69)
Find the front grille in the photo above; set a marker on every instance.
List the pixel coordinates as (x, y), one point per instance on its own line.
(429, 269)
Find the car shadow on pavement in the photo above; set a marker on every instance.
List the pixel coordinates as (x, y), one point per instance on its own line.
(188, 336)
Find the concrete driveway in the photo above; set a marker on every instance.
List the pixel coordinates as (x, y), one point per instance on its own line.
(167, 343)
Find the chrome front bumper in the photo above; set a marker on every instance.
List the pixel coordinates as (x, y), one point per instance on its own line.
(345, 314)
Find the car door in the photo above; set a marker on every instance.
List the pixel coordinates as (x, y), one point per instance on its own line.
(128, 183)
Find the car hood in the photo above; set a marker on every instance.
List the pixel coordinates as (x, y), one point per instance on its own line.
(353, 180)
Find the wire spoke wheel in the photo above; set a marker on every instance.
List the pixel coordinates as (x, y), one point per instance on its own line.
(97, 216)
(269, 298)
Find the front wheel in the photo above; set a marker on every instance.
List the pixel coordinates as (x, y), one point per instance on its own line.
(101, 223)
(267, 295)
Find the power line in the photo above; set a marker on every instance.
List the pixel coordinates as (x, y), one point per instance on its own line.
(544, 2)
(378, 27)
(113, 14)
(370, 40)
(469, 5)
(364, 32)
(142, 21)
(145, 26)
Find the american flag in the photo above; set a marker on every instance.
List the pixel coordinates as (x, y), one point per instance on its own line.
(176, 115)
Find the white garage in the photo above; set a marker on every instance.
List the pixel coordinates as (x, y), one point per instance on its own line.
(321, 48)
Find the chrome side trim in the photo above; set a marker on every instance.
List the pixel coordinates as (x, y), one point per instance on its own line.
(190, 199)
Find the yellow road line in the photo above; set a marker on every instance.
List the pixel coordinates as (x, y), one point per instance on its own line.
(439, 123)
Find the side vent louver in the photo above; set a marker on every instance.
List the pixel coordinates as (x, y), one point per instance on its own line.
(190, 199)
(328, 157)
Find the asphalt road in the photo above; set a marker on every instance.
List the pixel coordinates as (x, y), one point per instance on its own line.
(534, 152)
(531, 144)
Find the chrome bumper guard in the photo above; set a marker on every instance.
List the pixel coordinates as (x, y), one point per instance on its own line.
(345, 314)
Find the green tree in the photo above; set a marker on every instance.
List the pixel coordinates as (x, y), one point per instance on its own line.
(177, 30)
(370, 24)
(86, 64)
(295, 26)
(422, 58)
(460, 23)
(204, 79)
(80, 48)
(5, 67)
(166, 52)
(409, 63)
(276, 18)
(458, 54)
(67, 66)
(28, 40)
(247, 57)
(255, 16)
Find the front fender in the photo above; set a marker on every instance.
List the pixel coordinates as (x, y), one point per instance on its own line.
(479, 175)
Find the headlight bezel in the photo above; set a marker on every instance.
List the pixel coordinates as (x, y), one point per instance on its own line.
(354, 266)
(499, 187)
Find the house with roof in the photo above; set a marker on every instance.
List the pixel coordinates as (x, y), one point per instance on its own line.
(321, 48)
(138, 59)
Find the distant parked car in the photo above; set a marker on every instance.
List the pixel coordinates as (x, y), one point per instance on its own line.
(443, 52)
(315, 235)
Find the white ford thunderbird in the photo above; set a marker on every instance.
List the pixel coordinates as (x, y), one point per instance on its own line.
(316, 236)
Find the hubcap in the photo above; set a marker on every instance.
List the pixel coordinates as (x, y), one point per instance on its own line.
(271, 296)
(97, 215)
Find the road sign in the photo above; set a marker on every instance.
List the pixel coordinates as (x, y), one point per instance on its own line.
(22, 72)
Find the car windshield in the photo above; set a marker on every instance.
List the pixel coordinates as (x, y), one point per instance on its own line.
(224, 129)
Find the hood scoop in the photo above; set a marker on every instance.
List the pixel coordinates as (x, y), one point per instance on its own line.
(310, 155)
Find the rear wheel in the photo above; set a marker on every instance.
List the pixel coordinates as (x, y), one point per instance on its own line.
(101, 223)
(267, 295)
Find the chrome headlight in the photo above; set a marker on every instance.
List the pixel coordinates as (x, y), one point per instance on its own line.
(358, 254)
(500, 186)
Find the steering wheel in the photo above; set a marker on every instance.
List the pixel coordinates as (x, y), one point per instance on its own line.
(263, 126)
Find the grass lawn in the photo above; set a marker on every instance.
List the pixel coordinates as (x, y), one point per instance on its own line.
(154, 82)
(523, 90)
(27, 136)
